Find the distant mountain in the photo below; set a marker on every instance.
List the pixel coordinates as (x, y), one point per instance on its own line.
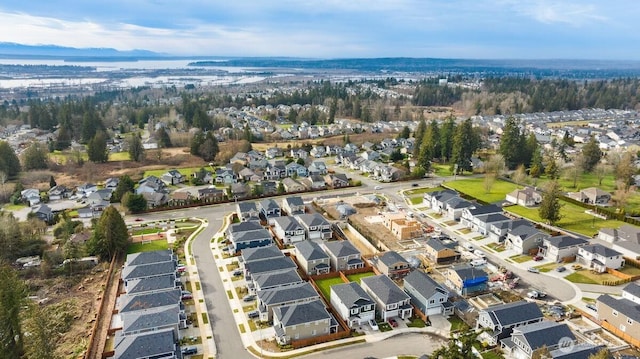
(13, 50)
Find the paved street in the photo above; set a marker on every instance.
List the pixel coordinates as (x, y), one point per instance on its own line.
(404, 344)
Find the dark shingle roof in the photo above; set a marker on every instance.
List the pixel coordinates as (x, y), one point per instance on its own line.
(247, 207)
(286, 294)
(311, 250)
(294, 201)
(288, 223)
(512, 313)
(149, 319)
(601, 250)
(424, 284)
(566, 241)
(351, 295)
(341, 248)
(129, 303)
(261, 253)
(148, 270)
(385, 289)
(492, 218)
(312, 220)
(632, 289)
(250, 236)
(524, 231)
(244, 226)
(545, 333)
(580, 351)
(480, 210)
(438, 245)
(270, 280)
(468, 273)
(148, 257)
(390, 258)
(271, 265)
(151, 284)
(144, 345)
(268, 204)
(301, 313)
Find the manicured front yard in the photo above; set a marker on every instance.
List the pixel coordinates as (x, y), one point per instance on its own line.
(627, 269)
(457, 323)
(415, 200)
(356, 277)
(521, 258)
(547, 267)
(475, 188)
(416, 323)
(119, 156)
(422, 190)
(142, 231)
(186, 172)
(160, 244)
(498, 247)
(589, 277)
(326, 284)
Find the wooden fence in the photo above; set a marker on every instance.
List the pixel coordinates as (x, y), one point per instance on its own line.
(620, 334)
(300, 343)
(93, 347)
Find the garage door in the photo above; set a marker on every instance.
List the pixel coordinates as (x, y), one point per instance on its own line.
(433, 311)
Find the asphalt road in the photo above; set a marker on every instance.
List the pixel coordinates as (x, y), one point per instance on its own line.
(404, 344)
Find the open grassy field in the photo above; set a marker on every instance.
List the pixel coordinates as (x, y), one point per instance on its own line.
(326, 284)
(147, 246)
(586, 180)
(185, 171)
(119, 156)
(474, 187)
(421, 191)
(573, 218)
(357, 277)
(441, 170)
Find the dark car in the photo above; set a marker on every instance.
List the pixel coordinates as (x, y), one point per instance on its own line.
(393, 322)
(253, 314)
(414, 185)
(561, 269)
(186, 295)
(237, 273)
(189, 350)
(249, 298)
(538, 258)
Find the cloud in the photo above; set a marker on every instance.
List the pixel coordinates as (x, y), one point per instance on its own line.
(574, 14)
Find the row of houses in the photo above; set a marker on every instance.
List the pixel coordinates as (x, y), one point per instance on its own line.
(149, 313)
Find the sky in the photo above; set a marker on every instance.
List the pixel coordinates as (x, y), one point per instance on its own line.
(484, 29)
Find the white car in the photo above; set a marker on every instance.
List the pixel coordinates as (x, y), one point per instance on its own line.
(533, 270)
(377, 188)
(373, 324)
(479, 253)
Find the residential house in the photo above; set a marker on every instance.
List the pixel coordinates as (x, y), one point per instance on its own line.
(483, 223)
(134, 302)
(291, 185)
(318, 151)
(249, 175)
(625, 239)
(250, 239)
(296, 170)
(87, 212)
(158, 344)
(299, 153)
(531, 340)
(150, 320)
(150, 257)
(315, 226)
(111, 182)
(466, 280)
(86, 189)
(559, 247)
(235, 228)
(337, 180)
(274, 280)
(302, 321)
(402, 227)
(155, 199)
(273, 152)
(269, 188)
(598, 258)
(454, 206)
(311, 258)
(442, 250)
(498, 321)
(393, 265)
(131, 272)
(282, 296)
(577, 351)
(31, 195)
(317, 168)
(43, 212)
(469, 215)
(524, 238)
(173, 177)
(498, 230)
(591, 195)
(272, 265)
(526, 197)
(210, 195)
(101, 195)
(314, 182)
(152, 284)
(269, 210)
(247, 211)
(352, 304)
(261, 253)
(57, 193)
(151, 184)
(343, 255)
(621, 315)
(437, 200)
(293, 205)
(240, 190)
(430, 297)
(225, 176)
(180, 198)
(288, 230)
(391, 301)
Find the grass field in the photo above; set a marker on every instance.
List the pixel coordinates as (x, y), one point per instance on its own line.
(142, 231)
(326, 284)
(185, 171)
(422, 190)
(521, 258)
(14, 207)
(456, 323)
(119, 156)
(578, 277)
(474, 187)
(573, 219)
(547, 267)
(415, 200)
(442, 170)
(356, 277)
(159, 244)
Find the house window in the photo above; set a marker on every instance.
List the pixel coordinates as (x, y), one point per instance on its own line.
(313, 332)
(367, 308)
(297, 336)
(629, 321)
(432, 301)
(615, 313)
(354, 311)
(441, 300)
(623, 327)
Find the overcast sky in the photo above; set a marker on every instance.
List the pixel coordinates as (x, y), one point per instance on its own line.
(522, 29)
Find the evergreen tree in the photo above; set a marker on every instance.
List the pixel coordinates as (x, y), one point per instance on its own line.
(537, 168)
(196, 141)
(164, 140)
(63, 140)
(52, 182)
(551, 169)
(44, 327)
(125, 185)
(465, 142)
(97, 148)
(110, 236)
(531, 147)
(13, 295)
(592, 154)
(136, 150)
(405, 133)
(9, 162)
(550, 205)
(446, 138)
(512, 144)
(418, 135)
(35, 157)
(135, 203)
(209, 149)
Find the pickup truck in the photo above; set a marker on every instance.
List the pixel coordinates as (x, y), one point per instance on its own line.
(534, 294)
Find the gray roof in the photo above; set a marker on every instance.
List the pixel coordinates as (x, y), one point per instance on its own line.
(466, 272)
(351, 295)
(512, 313)
(566, 241)
(601, 250)
(424, 284)
(444, 196)
(544, 333)
(341, 249)
(622, 305)
(271, 265)
(260, 253)
(149, 319)
(144, 345)
(148, 270)
(310, 250)
(457, 202)
(486, 209)
(312, 220)
(151, 284)
(135, 259)
(250, 236)
(438, 245)
(287, 294)
(391, 258)
(524, 231)
(288, 223)
(301, 313)
(632, 289)
(247, 207)
(268, 204)
(385, 289)
(129, 303)
(244, 226)
(294, 201)
(492, 218)
(579, 351)
(269, 280)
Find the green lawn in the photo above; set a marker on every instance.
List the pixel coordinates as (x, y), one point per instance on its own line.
(326, 284)
(498, 247)
(159, 244)
(588, 277)
(384, 326)
(579, 278)
(474, 187)
(14, 207)
(416, 323)
(457, 323)
(422, 190)
(547, 267)
(491, 355)
(119, 156)
(573, 218)
(521, 258)
(442, 170)
(586, 180)
(185, 171)
(138, 232)
(415, 200)
(357, 277)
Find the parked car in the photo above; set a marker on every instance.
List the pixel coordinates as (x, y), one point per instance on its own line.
(538, 258)
(469, 246)
(181, 268)
(373, 324)
(186, 295)
(137, 219)
(393, 322)
(414, 185)
(189, 350)
(576, 267)
(237, 273)
(377, 188)
(533, 270)
(592, 307)
(249, 297)
(253, 314)
(534, 294)
(561, 269)
(479, 253)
